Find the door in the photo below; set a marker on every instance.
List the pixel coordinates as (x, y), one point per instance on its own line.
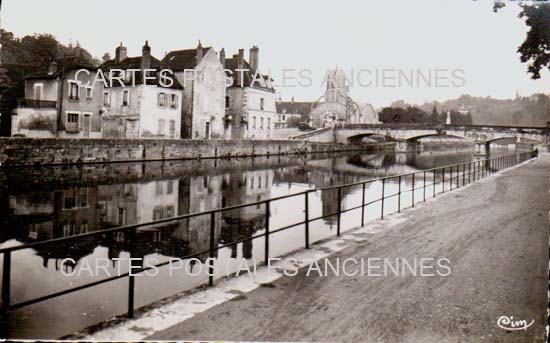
(87, 123)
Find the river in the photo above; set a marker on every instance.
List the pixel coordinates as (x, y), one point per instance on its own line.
(47, 203)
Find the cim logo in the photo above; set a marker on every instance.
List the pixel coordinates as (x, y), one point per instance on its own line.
(508, 323)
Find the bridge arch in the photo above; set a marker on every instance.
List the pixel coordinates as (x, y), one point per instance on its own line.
(515, 139)
(442, 135)
(357, 139)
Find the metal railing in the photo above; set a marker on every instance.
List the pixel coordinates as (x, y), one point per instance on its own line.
(447, 177)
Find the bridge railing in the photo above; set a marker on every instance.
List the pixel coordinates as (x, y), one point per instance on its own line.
(446, 178)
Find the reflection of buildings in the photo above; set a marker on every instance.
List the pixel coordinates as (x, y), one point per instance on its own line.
(320, 179)
(45, 215)
(53, 213)
(241, 223)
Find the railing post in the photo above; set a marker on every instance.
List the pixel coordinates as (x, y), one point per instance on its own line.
(463, 175)
(363, 206)
(424, 195)
(469, 172)
(307, 218)
(443, 182)
(131, 278)
(399, 196)
(267, 214)
(339, 212)
(433, 183)
(457, 176)
(383, 191)
(212, 247)
(413, 191)
(6, 291)
(131, 290)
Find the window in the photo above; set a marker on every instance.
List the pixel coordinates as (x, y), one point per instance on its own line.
(268, 123)
(159, 189)
(73, 91)
(157, 213)
(157, 236)
(121, 219)
(173, 101)
(161, 127)
(126, 98)
(262, 104)
(170, 188)
(72, 122)
(162, 100)
(172, 128)
(69, 200)
(84, 197)
(227, 102)
(170, 211)
(262, 123)
(106, 99)
(33, 231)
(89, 92)
(253, 122)
(38, 91)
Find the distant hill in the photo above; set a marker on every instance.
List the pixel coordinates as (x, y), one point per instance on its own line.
(531, 110)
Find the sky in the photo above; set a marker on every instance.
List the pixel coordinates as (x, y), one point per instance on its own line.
(470, 49)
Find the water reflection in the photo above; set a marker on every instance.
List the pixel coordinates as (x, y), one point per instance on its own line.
(43, 204)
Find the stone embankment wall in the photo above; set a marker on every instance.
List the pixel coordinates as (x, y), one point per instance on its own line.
(16, 152)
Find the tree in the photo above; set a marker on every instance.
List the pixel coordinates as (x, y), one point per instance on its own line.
(106, 57)
(535, 50)
(434, 117)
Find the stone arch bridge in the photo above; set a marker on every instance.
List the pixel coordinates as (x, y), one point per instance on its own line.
(407, 136)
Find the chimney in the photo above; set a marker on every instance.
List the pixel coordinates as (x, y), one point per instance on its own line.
(146, 56)
(121, 53)
(240, 65)
(254, 58)
(222, 57)
(199, 52)
(52, 68)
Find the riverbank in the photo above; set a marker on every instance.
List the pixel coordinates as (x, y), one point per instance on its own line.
(24, 152)
(493, 232)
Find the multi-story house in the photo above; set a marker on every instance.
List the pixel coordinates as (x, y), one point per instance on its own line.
(250, 100)
(203, 78)
(139, 107)
(60, 103)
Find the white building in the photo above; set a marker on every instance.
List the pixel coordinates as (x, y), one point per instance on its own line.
(140, 109)
(250, 100)
(203, 78)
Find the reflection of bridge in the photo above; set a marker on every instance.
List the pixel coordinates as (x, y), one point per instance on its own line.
(408, 136)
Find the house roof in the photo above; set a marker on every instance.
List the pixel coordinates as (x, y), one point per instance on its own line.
(179, 60)
(65, 63)
(266, 83)
(290, 107)
(135, 63)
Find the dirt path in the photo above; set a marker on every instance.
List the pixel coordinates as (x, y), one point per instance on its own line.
(495, 235)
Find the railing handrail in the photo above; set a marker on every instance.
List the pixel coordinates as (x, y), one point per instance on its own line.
(224, 209)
